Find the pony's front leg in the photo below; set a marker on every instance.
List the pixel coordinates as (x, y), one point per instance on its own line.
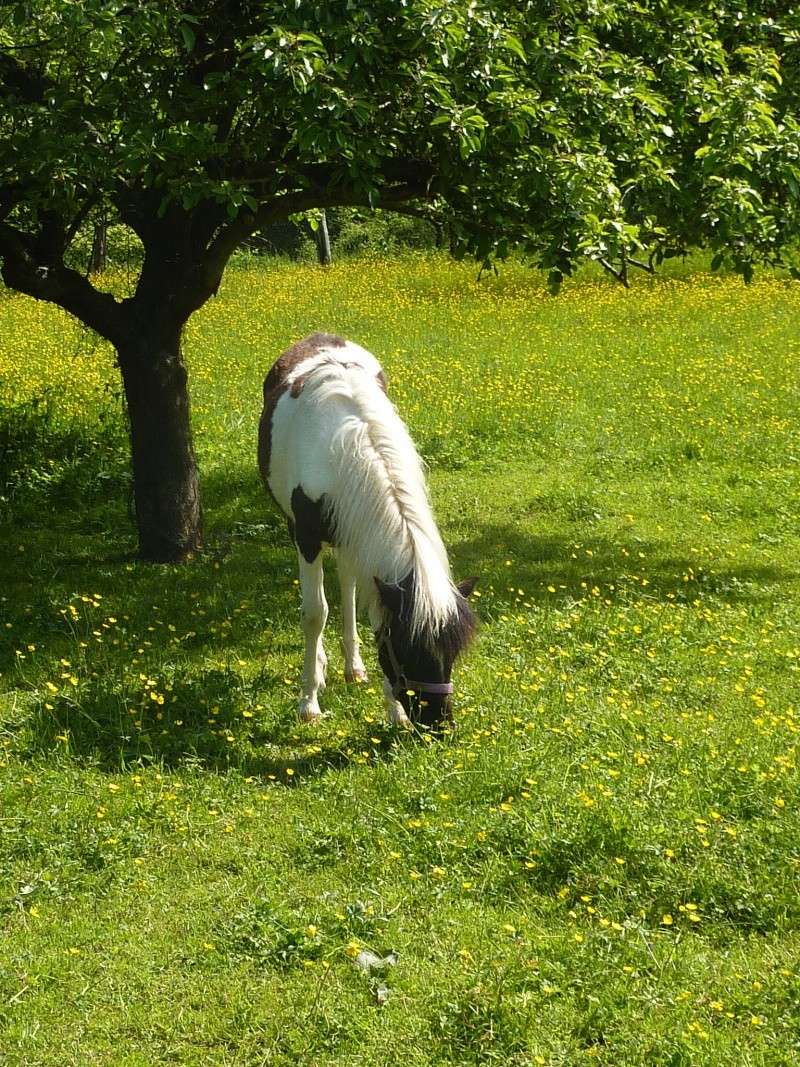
(315, 614)
(395, 712)
(354, 670)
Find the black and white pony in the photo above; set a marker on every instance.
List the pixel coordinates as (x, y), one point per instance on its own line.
(340, 464)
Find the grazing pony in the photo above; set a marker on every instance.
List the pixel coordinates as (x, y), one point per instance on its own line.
(339, 462)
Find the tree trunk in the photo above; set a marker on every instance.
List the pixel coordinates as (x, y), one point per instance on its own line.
(165, 479)
(323, 241)
(99, 253)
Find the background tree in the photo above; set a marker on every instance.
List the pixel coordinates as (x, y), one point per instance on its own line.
(617, 131)
(98, 256)
(322, 238)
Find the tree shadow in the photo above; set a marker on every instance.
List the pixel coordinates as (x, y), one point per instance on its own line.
(61, 549)
(204, 727)
(549, 568)
(166, 665)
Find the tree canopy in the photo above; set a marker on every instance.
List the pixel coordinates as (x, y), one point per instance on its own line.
(615, 130)
(603, 128)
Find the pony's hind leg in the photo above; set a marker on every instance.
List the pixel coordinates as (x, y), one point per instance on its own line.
(315, 615)
(354, 670)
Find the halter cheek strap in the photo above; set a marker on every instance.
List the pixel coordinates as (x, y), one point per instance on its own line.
(402, 683)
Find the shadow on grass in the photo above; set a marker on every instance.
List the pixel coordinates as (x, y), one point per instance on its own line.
(174, 679)
(96, 729)
(509, 557)
(61, 550)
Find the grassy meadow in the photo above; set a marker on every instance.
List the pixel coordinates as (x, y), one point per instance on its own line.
(600, 866)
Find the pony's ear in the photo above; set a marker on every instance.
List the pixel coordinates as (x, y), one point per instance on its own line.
(391, 596)
(466, 586)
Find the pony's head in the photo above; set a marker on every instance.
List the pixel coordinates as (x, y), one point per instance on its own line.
(419, 665)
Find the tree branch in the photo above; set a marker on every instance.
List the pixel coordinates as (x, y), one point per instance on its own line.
(620, 275)
(303, 200)
(58, 284)
(325, 175)
(80, 217)
(412, 212)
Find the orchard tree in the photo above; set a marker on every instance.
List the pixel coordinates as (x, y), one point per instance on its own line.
(615, 130)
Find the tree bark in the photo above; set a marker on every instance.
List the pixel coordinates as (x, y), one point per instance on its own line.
(165, 477)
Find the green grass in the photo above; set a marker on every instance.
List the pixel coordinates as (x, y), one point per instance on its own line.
(602, 865)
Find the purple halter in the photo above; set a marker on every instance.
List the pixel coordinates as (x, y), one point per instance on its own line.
(401, 683)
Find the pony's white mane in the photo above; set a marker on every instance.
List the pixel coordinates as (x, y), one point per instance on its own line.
(379, 505)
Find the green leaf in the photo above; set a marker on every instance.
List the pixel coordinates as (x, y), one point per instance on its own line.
(188, 36)
(513, 44)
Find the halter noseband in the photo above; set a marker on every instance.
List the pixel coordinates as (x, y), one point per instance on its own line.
(401, 682)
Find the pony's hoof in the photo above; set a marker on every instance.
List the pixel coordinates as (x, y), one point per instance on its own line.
(308, 710)
(357, 675)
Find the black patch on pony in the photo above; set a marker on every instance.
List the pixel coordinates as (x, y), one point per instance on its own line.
(310, 524)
